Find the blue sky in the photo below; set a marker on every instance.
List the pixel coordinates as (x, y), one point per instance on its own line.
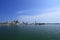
(30, 10)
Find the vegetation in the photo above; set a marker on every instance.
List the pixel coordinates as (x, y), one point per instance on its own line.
(16, 21)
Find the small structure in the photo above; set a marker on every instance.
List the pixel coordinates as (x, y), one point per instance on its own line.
(39, 23)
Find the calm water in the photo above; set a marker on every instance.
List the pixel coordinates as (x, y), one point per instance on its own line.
(30, 32)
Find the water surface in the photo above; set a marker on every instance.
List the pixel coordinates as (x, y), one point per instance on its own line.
(30, 32)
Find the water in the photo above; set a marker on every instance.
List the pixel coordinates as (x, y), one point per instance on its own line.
(30, 32)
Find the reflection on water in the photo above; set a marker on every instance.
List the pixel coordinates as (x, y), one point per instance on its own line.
(30, 32)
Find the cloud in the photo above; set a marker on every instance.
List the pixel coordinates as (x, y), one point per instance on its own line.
(19, 12)
(29, 11)
(48, 17)
(51, 15)
(43, 10)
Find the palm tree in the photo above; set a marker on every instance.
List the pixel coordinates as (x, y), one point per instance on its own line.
(16, 21)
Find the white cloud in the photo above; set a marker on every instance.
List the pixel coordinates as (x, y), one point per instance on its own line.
(27, 11)
(39, 10)
(48, 17)
(19, 12)
(52, 15)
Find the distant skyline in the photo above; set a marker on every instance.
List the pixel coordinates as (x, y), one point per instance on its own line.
(47, 11)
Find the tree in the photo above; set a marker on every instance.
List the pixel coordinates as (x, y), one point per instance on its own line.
(16, 21)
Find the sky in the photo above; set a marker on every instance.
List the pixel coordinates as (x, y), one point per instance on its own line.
(47, 11)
